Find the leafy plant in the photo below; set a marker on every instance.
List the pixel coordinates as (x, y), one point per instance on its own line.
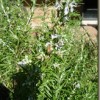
(14, 38)
(51, 64)
(65, 69)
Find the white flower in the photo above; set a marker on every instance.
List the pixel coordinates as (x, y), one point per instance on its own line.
(61, 42)
(77, 85)
(25, 61)
(56, 46)
(72, 5)
(56, 65)
(54, 36)
(66, 10)
(47, 44)
(57, 5)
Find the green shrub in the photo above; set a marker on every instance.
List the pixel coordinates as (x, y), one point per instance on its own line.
(14, 38)
(52, 65)
(69, 71)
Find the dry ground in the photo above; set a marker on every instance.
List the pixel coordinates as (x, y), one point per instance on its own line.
(42, 14)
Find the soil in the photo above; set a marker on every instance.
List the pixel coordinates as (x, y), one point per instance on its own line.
(91, 32)
(39, 18)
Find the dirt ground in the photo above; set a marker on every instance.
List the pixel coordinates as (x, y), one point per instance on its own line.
(39, 14)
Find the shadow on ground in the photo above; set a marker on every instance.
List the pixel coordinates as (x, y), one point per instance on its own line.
(4, 92)
(25, 83)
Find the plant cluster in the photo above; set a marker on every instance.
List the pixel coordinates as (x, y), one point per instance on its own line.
(66, 65)
(51, 64)
(66, 9)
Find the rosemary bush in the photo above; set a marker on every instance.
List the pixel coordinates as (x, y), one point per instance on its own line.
(52, 64)
(68, 65)
(14, 39)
